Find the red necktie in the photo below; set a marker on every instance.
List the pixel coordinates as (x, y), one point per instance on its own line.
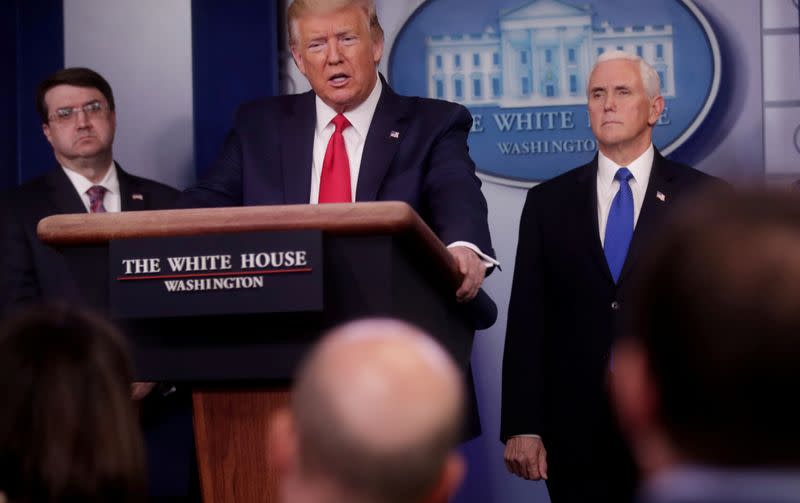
(96, 194)
(334, 184)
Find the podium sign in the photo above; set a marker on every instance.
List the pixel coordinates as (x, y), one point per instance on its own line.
(243, 273)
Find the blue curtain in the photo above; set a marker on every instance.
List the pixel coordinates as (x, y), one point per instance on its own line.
(235, 59)
(31, 47)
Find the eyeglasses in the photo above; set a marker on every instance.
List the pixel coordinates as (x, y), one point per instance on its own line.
(92, 109)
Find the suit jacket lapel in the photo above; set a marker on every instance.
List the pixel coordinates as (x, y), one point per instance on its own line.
(64, 197)
(132, 198)
(655, 203)
(385, 134)
(297, 126)
(588, 216)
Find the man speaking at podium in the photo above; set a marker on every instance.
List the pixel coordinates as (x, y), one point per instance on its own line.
(353, 139)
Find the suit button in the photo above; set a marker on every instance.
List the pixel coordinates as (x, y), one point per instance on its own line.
(615, 306)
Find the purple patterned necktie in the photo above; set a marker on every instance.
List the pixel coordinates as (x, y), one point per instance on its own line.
(96, 194)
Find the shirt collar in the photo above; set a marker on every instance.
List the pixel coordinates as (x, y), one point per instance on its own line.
(360, 117)
(640, 167)
(82, 184)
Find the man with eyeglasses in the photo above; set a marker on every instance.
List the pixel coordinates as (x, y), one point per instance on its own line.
(76, 106)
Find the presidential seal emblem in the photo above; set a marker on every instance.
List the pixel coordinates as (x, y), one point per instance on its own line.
(521, 68)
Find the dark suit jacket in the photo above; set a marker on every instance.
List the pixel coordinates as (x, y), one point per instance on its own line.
(564, 308)
(31, 271)
(415, 151)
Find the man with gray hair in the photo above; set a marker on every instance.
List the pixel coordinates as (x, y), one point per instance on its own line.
(374, 417)
(580, 236)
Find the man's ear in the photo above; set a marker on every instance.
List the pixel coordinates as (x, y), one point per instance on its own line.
(46, 131)
(377, 50)
(656, 109)
(450, 479)
(282, 441)
(298, 60)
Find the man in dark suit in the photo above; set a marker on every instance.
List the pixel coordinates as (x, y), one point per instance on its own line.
(710, 357)
(76, 106)
(290, 150)
(576, 254)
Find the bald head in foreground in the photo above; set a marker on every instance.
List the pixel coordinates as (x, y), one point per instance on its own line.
(705, 379)
(374, 417)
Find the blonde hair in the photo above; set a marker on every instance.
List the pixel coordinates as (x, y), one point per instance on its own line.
(299, 8)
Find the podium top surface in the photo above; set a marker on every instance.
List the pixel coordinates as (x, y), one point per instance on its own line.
(343, 218)
(387, 217)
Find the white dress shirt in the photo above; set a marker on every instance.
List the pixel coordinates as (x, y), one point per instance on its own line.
(607, 186)
(112, 199)
(355, 136)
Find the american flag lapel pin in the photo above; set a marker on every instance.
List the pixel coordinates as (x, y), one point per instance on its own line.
(660, 196)
(137, 197)
(394, 134)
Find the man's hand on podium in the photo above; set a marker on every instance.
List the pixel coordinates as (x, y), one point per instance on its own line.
(473, 269)
(526, 457)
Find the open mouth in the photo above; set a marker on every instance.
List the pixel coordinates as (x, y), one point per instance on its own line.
(339, 79)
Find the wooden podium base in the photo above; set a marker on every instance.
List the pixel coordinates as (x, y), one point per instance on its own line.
(231, 435)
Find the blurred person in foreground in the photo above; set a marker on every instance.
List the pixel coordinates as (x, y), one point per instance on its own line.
(68, 427)
(705, 376)
(374, 417)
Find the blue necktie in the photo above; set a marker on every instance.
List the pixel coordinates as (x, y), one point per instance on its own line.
(619, 227)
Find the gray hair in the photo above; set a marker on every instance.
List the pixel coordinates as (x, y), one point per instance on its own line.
(650, 79)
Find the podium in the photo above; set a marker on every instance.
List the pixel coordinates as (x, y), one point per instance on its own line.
(378, 259)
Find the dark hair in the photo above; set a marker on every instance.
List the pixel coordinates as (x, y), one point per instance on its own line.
(68, 427)
(78, 77)
(717, 311)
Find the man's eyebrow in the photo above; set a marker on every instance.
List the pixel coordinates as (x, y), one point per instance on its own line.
(83, 105)
(347, 30)
(315, 35)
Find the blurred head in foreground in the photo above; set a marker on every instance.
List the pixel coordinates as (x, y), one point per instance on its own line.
(68, 428)
(374, 417)
(712, 358)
